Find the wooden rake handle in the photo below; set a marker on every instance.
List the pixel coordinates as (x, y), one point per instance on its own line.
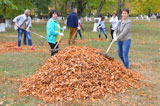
(59, 40)
(109, 46)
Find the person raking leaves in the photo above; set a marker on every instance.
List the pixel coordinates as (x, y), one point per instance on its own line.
(54, 31)
(123, 37)
(22, 24)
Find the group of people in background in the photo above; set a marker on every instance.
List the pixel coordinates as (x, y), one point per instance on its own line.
(120, 31)
(101, 26)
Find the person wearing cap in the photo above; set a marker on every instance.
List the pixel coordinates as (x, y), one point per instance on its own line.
(72, 23)
(22, 24)
(53, 31)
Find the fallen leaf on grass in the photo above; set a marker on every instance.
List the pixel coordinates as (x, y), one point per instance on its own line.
(8, 47)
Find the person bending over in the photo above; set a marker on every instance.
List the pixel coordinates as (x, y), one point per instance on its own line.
(22, 24)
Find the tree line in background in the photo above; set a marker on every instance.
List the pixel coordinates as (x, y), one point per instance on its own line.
(40, 8)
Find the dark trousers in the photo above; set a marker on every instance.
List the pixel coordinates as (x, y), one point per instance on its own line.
(79, 31)
(112, 33)
(52, 46)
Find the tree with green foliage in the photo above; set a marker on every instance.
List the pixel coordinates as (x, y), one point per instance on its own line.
(81, 5)
(109, 7)
(11, 8)
(102, 2)
(146, 6)
(41, 7)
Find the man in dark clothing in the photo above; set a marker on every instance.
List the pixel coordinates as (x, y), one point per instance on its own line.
(72, 23)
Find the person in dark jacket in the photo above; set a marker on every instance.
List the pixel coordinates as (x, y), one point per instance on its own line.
(72, 23)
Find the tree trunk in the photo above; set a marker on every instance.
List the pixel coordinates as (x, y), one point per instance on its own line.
(39, 14)
(70, 6)
(89, 12)
(100, 7)
(121, 4)
(81, 5)
(75, 3)
(66, 2)
(55, 5)
(119, 9)
(62, 11)
(2, 19)
(149, 12)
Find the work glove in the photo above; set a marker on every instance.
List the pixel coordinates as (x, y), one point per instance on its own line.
(78, 28)
(28, 29)
(114, 37)
(64, 27)
(61, 34)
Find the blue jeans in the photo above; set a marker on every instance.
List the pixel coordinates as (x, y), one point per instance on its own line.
(123, 50)
(104, 31)
(20, 32)
(79, 31)
(24, 40)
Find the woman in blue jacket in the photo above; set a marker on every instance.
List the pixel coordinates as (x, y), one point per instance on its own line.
(53, 31)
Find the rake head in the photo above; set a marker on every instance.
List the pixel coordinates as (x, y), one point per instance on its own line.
(107, 56)
(55, 50)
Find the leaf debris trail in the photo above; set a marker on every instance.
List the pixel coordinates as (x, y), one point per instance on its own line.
(11, 47)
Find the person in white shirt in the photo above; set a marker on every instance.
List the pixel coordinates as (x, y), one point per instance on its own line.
(114, 22)
(102, 27)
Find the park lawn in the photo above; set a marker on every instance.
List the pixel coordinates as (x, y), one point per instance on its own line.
(144, 59)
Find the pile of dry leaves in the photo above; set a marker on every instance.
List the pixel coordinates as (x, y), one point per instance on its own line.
(78, 72)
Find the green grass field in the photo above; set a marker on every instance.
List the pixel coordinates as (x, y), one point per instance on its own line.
(144, 59)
